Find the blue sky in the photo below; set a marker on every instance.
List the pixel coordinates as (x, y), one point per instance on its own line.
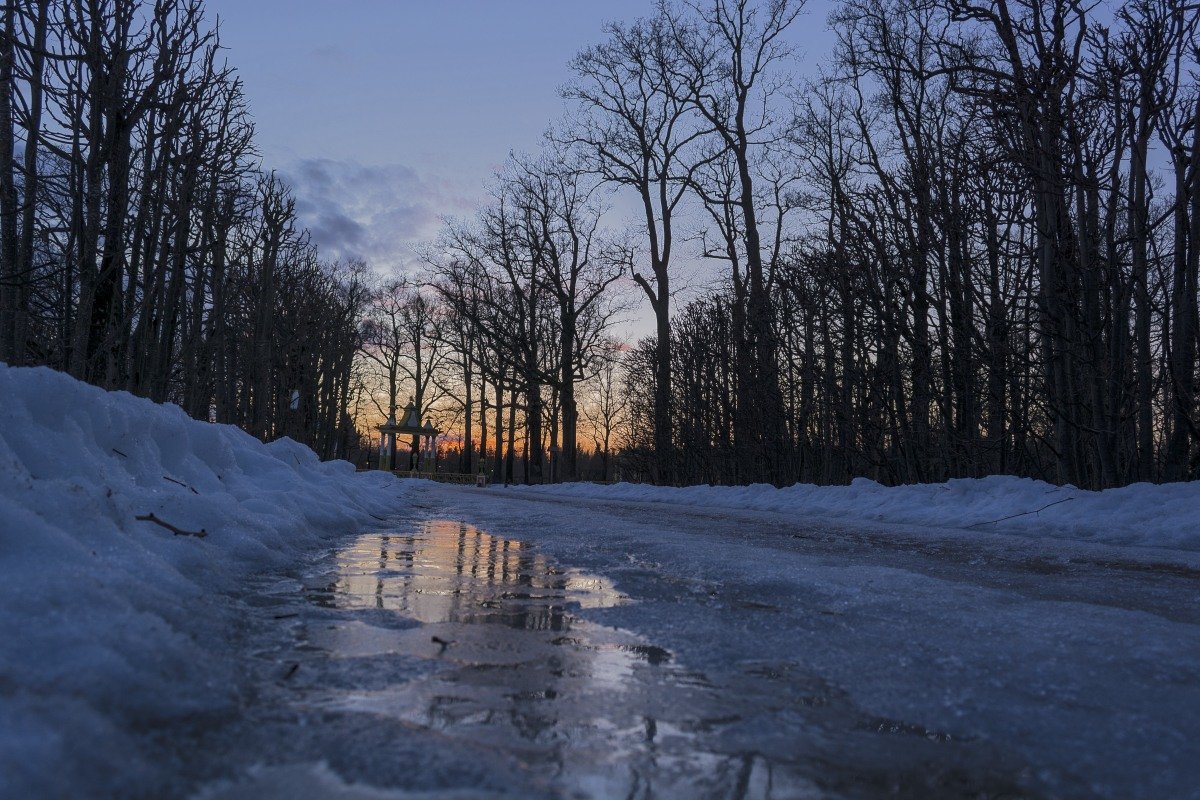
(387, 114)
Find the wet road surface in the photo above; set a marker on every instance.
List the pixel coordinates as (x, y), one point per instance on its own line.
(435, 656)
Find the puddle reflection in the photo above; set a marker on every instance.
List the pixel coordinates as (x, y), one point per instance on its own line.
(593, 709)
(453, 572)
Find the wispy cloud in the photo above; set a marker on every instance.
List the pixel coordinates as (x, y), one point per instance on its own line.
(377, 212)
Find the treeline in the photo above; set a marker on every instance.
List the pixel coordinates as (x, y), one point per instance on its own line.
(969, 247)
(477, 343)
(977, 240)
(141, 246)
(527, 291)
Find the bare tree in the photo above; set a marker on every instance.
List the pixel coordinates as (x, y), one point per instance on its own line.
(730, 52)
(637, 130)
(607, 407)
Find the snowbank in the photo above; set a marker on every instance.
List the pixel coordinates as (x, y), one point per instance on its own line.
(109, 624)
(1142, 514)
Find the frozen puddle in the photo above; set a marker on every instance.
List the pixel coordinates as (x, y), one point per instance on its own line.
(441, 661)
(589, 710)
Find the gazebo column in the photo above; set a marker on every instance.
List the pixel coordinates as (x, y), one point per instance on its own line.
(387, 444)
(430, 434)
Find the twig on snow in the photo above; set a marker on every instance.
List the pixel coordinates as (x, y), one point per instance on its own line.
(200, 534)
(1023, 513)
(180, 483)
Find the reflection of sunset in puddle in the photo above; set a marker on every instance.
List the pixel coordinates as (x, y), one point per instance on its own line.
(452, 572)
(581, 704)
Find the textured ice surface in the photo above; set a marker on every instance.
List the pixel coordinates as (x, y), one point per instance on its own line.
(903, 661)
(572, 648)
(501, 671)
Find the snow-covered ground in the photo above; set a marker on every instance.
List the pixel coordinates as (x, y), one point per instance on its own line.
(110, 625)
(1142, 514)
(320, 640)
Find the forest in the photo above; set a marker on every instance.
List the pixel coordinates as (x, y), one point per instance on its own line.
(967, 243)
(142, 246)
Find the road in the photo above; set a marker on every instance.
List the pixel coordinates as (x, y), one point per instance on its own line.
(501, 642)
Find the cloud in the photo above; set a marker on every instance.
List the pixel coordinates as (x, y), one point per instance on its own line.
(375, 212)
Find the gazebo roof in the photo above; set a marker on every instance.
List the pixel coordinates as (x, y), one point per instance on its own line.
(410, 422)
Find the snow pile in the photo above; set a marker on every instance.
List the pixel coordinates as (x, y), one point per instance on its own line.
(110, 624)
(1142, 514)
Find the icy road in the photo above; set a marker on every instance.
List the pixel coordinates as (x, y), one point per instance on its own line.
(498, 642)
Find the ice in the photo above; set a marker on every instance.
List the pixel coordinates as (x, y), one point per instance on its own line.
(315, 780)
(907, 661)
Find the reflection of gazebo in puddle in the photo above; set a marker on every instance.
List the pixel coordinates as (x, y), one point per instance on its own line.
(422, 455)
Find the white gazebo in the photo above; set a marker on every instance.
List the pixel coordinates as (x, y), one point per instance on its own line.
(421, 444)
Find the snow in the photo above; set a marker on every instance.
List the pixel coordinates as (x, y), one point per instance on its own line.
(837, 632)
(110, 624)
(1142, 514)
